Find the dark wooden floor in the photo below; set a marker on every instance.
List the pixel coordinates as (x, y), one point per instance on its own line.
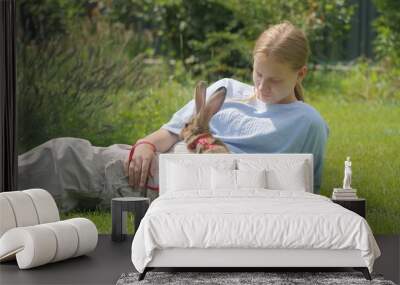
(111, 259)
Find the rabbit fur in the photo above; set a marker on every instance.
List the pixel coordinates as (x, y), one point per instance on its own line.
(196, 133)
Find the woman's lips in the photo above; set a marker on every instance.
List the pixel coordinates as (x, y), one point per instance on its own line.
(264, 94)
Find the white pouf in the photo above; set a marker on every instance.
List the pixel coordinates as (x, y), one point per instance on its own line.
(31, 232)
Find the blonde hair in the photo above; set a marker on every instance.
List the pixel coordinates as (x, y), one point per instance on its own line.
(287, 44)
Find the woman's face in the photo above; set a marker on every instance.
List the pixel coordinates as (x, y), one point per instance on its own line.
(274, 81)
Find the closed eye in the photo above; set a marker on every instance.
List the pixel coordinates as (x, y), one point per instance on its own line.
(275, 80)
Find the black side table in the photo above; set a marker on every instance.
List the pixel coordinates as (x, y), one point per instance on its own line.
(356, 205)
(119, 206)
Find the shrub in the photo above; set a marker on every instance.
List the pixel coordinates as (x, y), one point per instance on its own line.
(387, 43)
(214, 38)
(63, 85)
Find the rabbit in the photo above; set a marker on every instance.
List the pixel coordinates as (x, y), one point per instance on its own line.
(196, 133)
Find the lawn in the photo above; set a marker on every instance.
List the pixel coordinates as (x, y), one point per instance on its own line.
(102, 220)
(370, 134)
(367, 132)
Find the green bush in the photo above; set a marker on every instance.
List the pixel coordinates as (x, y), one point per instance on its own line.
(387, 43)
(362, 81)
(214, 38)
(40, 21)
(63, 86)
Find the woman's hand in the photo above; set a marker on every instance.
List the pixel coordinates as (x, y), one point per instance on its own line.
(139, 167)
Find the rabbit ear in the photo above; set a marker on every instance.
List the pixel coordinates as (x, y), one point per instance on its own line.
(200, 95)
(214, 103)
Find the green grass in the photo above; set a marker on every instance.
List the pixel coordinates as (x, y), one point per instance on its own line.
(370, 134)
(367, 132)
(102, 220)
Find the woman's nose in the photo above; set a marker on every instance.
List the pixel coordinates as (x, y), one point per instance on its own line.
(263, 86)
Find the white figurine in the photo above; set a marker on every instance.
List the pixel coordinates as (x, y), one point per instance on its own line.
(347, 174)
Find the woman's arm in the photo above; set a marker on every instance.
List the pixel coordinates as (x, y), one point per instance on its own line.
(162, 139)
(137, 170)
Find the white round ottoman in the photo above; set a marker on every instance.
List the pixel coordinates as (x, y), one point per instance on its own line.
(31, 231)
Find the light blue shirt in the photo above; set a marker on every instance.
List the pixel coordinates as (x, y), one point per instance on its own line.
(257, 127)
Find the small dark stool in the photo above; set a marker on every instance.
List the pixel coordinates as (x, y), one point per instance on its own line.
(119, 206)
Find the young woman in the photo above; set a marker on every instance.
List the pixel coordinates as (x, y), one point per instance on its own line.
(269, 117)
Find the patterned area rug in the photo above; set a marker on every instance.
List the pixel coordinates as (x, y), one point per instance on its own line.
(225, 278)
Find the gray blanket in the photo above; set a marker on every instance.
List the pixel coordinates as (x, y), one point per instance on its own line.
(81, 176)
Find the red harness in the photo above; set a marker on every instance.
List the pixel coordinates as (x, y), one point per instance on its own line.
(202, 140)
